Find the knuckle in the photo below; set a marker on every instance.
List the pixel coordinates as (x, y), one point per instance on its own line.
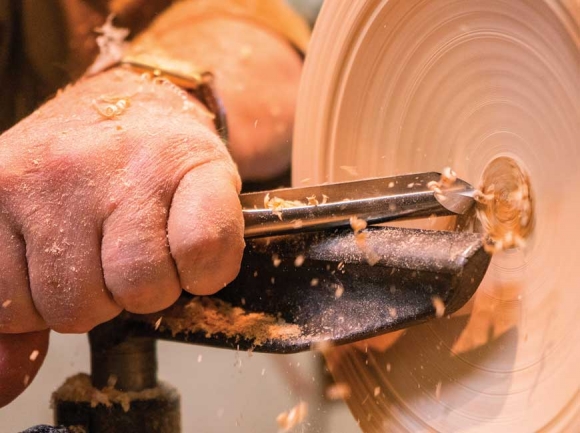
(142, 285)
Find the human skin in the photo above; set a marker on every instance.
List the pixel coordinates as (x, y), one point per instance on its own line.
(99, 215)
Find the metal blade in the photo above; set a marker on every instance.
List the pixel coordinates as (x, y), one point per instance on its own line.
(375, 200)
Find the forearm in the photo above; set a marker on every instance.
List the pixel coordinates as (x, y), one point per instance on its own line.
(257, 73)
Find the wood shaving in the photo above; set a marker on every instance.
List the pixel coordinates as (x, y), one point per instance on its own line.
(377, 391)
(314, 282)
(338, 391)
(79, 388)
(312, 200)
(277, 204)
(290, 419)
(439, 306)
(299, 260)
(33, 355)
(213, 316)
(505, 205)
(297, 224)
(158, 323)
(446, 180)
(6, 303)
(448, 176)
(339, 291)
(111, 106)
(276, 261)
(357, 226)
(111, 43)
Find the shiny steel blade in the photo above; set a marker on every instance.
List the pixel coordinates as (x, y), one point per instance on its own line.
(375, 200)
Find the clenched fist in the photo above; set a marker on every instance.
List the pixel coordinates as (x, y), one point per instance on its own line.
(99, 215)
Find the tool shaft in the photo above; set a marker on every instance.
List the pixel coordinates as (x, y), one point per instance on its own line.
(379, 200)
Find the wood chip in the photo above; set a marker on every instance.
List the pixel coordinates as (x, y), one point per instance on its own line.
(338, 391)
(299, 261)
(290, 419)
(339, 291)
(6, 303)
(158, 323)
(357, 224)
(439, 306)
(33, 355)
(312, 200)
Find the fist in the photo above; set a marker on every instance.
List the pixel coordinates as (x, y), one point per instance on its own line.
(103, 214)
(100, 215)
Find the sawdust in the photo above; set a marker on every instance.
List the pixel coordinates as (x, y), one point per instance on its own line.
(338, 391)
(505, 205)
(78, 388)
(446, 180)
(158, 323)
(299, 260)
(439, 306)
(111, 106)
(112, 43)
(290, 419)
(214, 316)
(277, 204)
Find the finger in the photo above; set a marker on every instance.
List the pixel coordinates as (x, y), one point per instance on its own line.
(138, 267)
(21, 355)
(66, 278)
(206, 228)
(17, 311)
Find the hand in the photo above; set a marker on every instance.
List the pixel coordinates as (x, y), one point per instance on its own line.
(99, 215)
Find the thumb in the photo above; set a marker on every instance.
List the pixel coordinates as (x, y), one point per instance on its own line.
(21, 356)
